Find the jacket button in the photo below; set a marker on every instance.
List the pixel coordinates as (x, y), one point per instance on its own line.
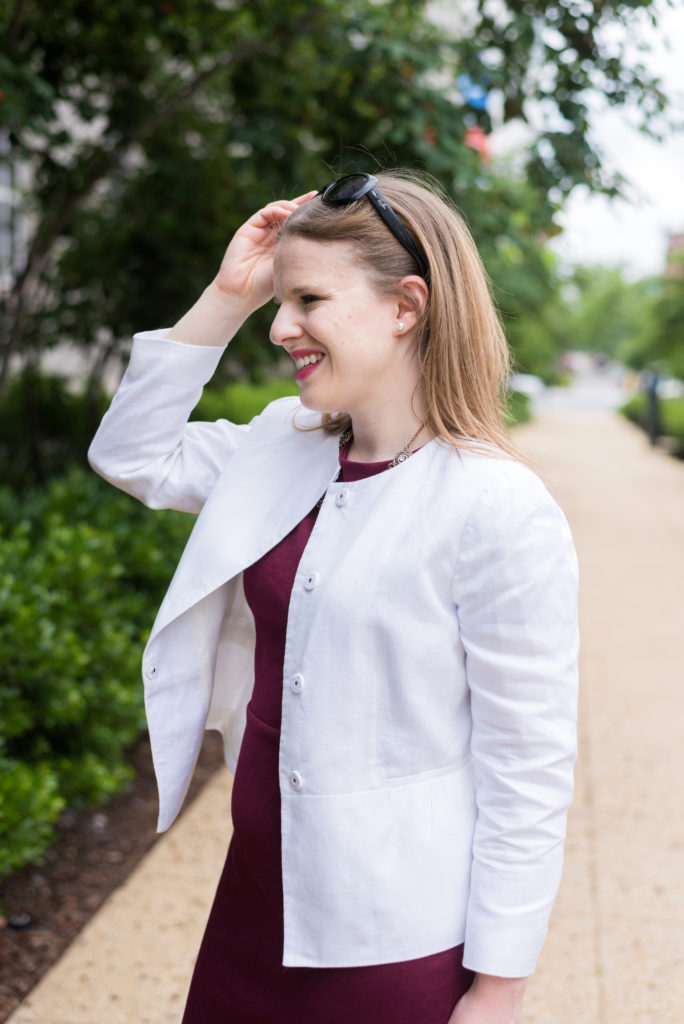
(297, 683)
(150, 671)
(295, 780)
(342, 497)
(311, 581)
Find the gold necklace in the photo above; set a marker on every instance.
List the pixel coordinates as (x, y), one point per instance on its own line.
(405, 452)
(401, 456)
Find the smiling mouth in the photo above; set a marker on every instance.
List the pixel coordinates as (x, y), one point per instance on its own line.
(308, 360)
(306, 365)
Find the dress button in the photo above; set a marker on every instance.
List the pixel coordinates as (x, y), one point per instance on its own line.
(297, 683)
(342, 497)
(295, 780)
(310, 581)
(150, 671)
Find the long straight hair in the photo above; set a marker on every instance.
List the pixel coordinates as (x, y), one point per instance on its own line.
(463, 356)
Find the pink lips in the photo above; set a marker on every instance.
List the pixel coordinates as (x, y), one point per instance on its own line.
(306, 371)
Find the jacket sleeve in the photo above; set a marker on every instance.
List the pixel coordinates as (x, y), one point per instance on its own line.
(145, 445)
(516, 591)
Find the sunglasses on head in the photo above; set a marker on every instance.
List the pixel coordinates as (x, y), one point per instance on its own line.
(355, 186)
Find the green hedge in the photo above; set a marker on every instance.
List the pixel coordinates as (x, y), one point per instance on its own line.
(239, 402)
(519, 407)
(635, 409)
(82, 571)
(671, 417)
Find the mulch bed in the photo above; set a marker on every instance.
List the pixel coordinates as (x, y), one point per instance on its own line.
(44, 907)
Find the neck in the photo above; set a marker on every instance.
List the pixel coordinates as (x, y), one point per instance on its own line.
(381, 439)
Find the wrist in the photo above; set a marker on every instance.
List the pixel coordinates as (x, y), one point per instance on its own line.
(506, 993)
(213, 320)
(227, 305)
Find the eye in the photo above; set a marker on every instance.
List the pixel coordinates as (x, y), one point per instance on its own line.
(306, 300)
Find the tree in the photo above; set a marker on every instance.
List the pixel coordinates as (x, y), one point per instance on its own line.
(667, 347)
(601, 311)
(149, 129)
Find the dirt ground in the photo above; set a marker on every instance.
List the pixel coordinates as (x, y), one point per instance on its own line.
(45, 906)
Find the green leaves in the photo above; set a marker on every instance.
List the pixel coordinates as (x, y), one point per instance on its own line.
(82, 571)
(29, 804)
(153, 129)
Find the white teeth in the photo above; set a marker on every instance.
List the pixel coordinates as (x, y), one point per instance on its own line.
(308, 360)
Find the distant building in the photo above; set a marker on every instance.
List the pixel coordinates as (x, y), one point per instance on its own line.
(674, 265)
(12, 225)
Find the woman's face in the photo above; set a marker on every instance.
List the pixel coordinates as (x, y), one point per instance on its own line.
(343, 336)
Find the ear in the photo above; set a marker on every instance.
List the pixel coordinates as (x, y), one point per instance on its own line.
(412, 298)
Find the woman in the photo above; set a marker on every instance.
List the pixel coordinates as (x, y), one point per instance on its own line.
(377, 607)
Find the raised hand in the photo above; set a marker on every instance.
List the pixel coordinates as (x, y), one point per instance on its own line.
(244, 281)
(246, 271)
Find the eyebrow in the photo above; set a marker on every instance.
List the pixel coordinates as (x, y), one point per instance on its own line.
(304, 289)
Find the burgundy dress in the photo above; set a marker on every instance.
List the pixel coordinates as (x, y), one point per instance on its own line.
(239, 977)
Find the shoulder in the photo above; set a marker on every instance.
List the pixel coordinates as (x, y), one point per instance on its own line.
(490, 478)
(504, 506)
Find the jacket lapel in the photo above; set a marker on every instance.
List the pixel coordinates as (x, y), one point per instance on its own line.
(271, 482)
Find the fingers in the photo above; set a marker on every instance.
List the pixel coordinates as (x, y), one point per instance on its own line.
(275, 213)
(289, 205)
(305, 198)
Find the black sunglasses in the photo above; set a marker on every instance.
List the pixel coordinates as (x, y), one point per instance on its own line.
(355, 186)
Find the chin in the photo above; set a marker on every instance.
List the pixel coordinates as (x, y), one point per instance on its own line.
(316, 405)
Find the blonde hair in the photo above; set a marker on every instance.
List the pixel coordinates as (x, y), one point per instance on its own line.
(464, 360)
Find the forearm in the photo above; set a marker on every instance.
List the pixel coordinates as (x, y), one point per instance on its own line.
(213, 320)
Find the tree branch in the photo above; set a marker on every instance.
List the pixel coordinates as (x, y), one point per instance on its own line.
(13, 30)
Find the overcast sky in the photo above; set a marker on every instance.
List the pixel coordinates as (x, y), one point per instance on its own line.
(634, 234)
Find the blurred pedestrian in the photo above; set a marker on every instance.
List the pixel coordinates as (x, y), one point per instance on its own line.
(377, 608)
(653, 419)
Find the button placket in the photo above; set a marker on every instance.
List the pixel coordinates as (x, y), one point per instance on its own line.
(295, 780)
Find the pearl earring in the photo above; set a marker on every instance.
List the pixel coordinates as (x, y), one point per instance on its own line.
(400, 325)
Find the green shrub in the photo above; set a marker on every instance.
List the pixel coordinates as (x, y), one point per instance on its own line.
(635, 409)
(29, 804)
(519, 408)
(671, 417)
(82, 571)
(239, 402)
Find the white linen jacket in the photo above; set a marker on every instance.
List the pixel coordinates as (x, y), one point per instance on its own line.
(429, 683)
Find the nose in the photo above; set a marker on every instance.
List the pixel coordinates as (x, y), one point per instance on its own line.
(285, 326)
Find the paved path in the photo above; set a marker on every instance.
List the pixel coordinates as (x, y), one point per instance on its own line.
(615, 953)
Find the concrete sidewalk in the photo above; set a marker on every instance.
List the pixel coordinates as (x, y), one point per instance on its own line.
(615, 952)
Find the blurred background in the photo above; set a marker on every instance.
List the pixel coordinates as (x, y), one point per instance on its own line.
(136, 135)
